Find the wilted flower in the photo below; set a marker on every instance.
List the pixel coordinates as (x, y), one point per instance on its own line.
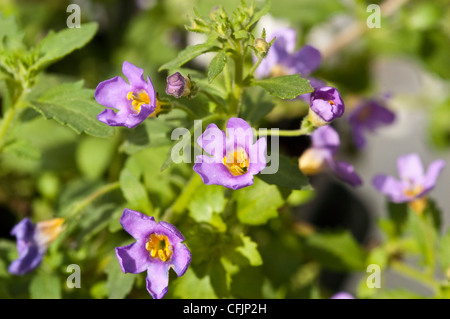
(158, 247)
(32, 243)
(234, 158)
(282, 59)
(368, 116)
(325, 105)
(320, 157)
(178, 85)
(134, 101)
(414, 183)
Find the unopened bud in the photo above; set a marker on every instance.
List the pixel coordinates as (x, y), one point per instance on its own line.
(178, 85)
(261, 45)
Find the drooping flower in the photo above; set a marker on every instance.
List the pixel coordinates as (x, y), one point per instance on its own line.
(178, 85)
(368, 116)
(158, 247)
(234, 158)
(414, 184)
(325, 105)
(320, 157)
(32, 243)
(283, 59)
(134, 101)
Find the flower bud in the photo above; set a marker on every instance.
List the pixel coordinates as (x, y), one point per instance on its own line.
(178, 85)
(261, 46)
(325, 105)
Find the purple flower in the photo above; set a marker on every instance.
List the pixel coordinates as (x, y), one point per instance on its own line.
(368, 116)
(342, 295)
(414, 184)
(320, 157)
(282, 59)
(325, 105)
(178, 85)
(32, 243)
(234, 158)
(157, 248)
(134, 101)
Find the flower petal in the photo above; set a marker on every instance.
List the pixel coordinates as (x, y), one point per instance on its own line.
(170, 231)
(158, 279)
(410, 168)
(239, 134)
(347, 173)
(432, 175)
(133, 258)
(138, 225)
(134, 75)
(305, 60)
(213, 173)
(326, 137)
(391, 187)
(181, 259)
(112, 93)
(213, 141)
(257, 156)
(29, 258)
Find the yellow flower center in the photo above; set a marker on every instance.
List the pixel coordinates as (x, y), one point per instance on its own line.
(331, 102)
(236, 162)
(418, 205)
(138, 99)
(159, 247)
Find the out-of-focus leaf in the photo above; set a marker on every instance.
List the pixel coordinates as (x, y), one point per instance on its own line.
(288, 175)
(45, 286)
(249, 250)
(208, 201)
(119, 284)
(337, 251)
(444, 252)
(93, 156)
(191, 287)
(258, 203)
(285, 86)
(134, 192)
(216, 65)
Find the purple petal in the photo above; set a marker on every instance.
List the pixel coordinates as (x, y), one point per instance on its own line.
(112, 93)
(29, 258)
(134, 75)
(326, 137)
(239, 134)
(342, 295)
(181, 259)
(171, 232)
(410, 168)
(327, 103)
(257, 156)
(347, 173)
(138, 225)
(213, 141)
(391, 187)
(286, 39)
(133, 258)
(217, 174)
(358, 136)
(112, 118)
(432, 175)
(158, 279)
(305, 60)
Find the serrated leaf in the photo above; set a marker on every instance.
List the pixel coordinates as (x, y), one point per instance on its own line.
(288, 175)
(249, 250)
(118, 283)
(337, 251)
(285, 86)
(71, 105)
(207, 200)
(188, 54)
(258, 203)
(134, 192)
(57, 45)
(216, 65)
(45, 286)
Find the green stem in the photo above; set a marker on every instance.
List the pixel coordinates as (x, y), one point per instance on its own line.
(5, 124)
(406, 270)
(298, 132)
(185, 109)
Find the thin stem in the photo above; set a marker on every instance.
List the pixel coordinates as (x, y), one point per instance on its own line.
(253, 69)
(5, 124)
(298, 132)
(406, 270)
(185, 109)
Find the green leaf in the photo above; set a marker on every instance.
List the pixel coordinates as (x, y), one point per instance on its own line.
(134, 192)
(189, 53)
(94, 148)
(216, 65)
(249, 250)
(241, 34)
(286, 86)
(45, 286)
(337, 251)
(259, 14)
(57, 45)
(10, 35)
(424, 234)
(444, 253)
(258, 203)
(24, 149)
(189, 286)
(256, 105)
(119, 284)
(398, 214)
(71, 105)
(207, 201)
(288, 175)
